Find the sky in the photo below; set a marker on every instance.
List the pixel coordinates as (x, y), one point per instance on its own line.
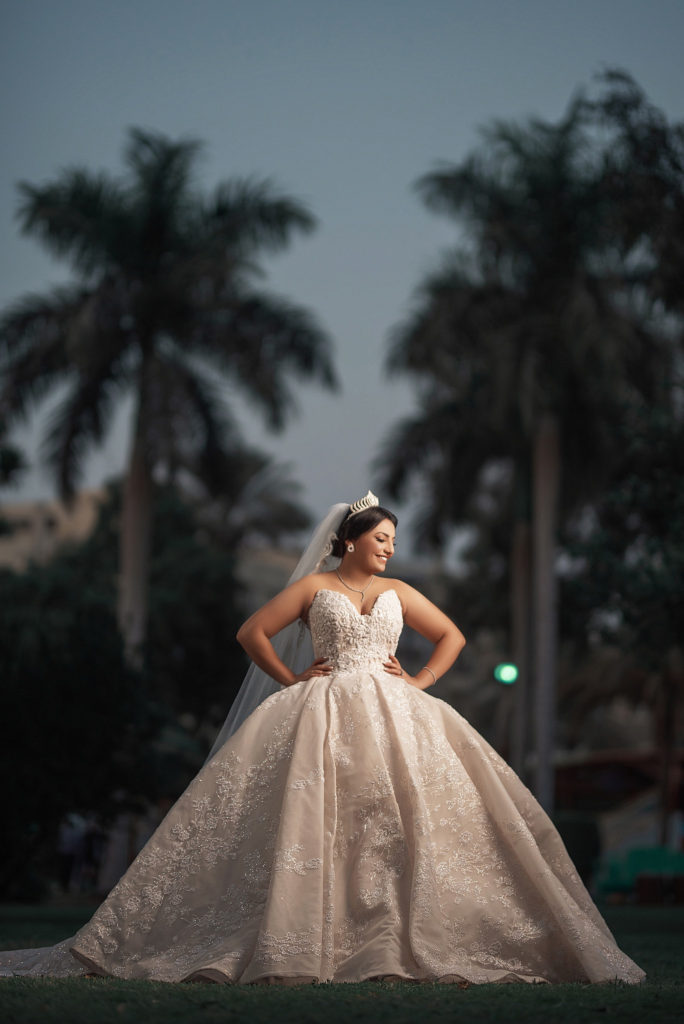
(343, 104)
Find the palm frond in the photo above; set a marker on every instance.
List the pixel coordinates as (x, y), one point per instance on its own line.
(260, 339)
(252, 499)
(258, 501)
(78, 216)
(34, 349)
(161, 167)
(253, 214)
(435, 458)
(79, 422)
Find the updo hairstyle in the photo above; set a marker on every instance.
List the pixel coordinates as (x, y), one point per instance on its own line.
(353, 526)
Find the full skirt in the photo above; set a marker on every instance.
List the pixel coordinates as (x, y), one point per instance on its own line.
(354, 827)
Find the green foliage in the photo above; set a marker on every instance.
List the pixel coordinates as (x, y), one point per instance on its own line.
(630, 576)
(246, 498)
(644, 172)
(81, 731)
(71, 709)
(193, 660)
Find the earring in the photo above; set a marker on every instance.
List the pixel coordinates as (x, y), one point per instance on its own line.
(350, 548)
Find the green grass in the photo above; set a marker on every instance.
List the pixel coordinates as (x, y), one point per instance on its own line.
(654, 937)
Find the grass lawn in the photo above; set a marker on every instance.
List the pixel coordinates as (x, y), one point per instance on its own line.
(654, 937)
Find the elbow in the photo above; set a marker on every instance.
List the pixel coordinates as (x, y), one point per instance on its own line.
(242, 635)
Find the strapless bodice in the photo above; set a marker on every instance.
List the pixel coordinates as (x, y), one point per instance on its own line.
(352, 641)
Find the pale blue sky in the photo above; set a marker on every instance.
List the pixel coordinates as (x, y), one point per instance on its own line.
(343, 104)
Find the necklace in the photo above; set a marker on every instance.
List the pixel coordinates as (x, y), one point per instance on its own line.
(361, 592)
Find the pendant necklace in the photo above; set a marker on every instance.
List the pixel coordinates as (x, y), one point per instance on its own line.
(356, 591)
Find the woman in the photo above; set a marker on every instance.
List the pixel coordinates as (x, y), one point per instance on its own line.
(353, 827)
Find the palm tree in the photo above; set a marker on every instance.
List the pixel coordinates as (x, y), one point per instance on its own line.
(644, 169)
(628, 581)
(527, 351)
(246, 500)
(165, 309)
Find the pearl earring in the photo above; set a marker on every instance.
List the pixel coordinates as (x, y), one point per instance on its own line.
(350, 548)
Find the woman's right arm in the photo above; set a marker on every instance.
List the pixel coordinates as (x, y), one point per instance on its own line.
(255, 634)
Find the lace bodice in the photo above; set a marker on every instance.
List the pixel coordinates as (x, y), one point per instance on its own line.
(350, 640)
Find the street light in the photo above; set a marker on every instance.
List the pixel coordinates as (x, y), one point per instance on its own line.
(506, 673)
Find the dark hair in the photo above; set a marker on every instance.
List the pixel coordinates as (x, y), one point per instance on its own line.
(353, 526)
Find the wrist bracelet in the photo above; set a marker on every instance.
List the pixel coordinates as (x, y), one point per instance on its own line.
(428, 669)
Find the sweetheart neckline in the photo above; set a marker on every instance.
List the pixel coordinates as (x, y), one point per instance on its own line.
(362, 615)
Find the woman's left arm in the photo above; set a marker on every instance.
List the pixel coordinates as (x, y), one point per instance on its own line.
(427, 619)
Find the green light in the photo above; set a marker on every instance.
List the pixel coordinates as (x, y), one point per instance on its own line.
(506, 673)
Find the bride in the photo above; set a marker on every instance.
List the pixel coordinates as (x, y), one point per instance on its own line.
(347, 826)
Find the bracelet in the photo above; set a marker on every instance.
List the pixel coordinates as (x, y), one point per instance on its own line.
(428, 669)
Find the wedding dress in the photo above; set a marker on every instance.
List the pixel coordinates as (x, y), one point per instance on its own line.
(354, 827)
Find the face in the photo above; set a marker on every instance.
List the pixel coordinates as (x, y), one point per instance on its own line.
(375, 547)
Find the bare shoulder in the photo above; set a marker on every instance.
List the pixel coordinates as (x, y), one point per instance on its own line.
(297, 596)
(406, 593)
(419, 611)
(401, 586)
(308, 586)
(320, 581)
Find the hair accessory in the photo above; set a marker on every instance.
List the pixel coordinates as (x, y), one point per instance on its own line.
(369, 501)
(326, 553)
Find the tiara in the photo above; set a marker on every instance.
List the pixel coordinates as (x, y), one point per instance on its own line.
(363, 504)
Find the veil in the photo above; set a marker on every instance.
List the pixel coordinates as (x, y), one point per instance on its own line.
(293, 643)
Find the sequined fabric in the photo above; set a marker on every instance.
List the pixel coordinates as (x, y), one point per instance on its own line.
(354, 827)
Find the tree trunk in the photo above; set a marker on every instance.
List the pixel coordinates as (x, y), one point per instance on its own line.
(521, 564)
(134, 553)
(546, 475)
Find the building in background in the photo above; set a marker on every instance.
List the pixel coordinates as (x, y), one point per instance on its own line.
(36, 529)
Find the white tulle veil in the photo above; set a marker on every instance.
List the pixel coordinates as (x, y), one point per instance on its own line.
(292, 644)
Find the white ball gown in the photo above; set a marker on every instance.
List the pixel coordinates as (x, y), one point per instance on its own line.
(354, 827)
